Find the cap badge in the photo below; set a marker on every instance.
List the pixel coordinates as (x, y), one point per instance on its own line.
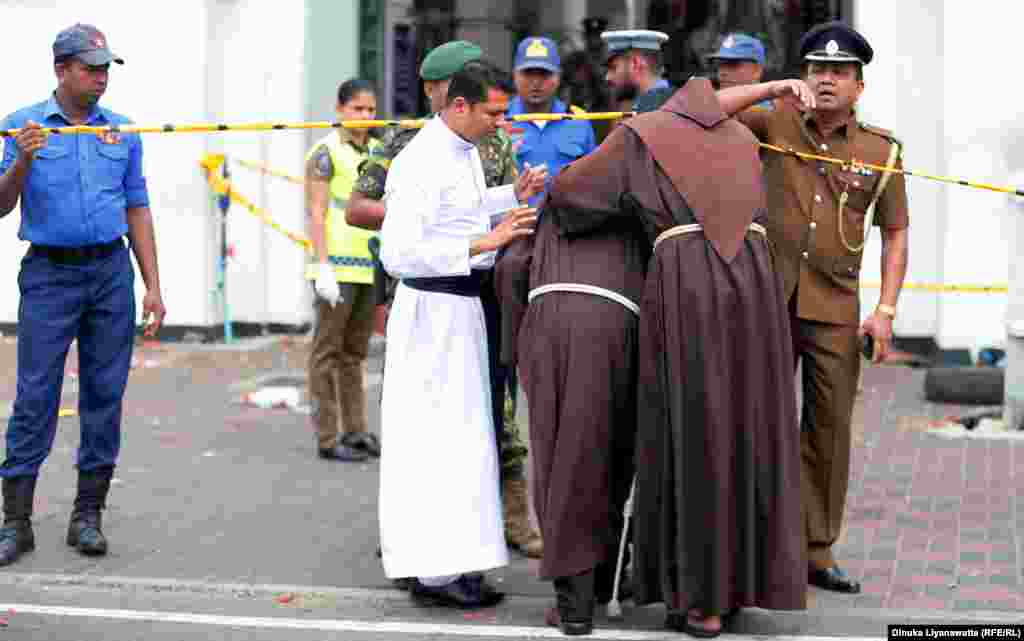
(729, 42)
(537, 49)
(98, 42)
(832, 48)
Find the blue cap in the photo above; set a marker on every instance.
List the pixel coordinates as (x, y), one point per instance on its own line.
(620, 42)
(740, 46)
(835, 42)
(538, 53)
(85, 42)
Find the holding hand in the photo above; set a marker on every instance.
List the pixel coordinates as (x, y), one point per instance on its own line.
(153, 312)
(531, 182)
(518, 223)
(30, 139)
(879, 326)
(795, 92)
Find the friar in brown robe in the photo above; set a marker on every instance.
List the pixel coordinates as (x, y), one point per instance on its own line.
(718, 508)
(571, 322)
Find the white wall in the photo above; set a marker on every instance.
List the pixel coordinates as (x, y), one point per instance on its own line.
(940, 82)
(148, 88)
(208, 60)
(907, 74)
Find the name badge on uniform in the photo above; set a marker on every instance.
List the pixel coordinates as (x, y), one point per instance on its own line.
(109, 137)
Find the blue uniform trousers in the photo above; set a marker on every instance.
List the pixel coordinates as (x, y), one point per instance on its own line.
(93, 302)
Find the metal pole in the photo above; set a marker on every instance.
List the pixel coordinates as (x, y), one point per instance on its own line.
(224, 202)
(1013, 408)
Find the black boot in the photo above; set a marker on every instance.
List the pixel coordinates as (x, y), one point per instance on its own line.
(16, 536)
(86, 529)
(574, 601)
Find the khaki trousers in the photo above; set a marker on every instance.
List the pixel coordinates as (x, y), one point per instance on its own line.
(340, 346)
(829, 356)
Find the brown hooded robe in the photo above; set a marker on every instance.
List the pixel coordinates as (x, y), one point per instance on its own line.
(577, 358)
(718, 505)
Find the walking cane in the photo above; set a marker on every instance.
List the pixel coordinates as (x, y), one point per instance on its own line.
(614, 608)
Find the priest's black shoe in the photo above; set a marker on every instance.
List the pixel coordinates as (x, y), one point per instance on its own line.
(463, 592)
(345, 453)
(833, 579)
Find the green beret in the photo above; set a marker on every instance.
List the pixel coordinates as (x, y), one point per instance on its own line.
(450, 57)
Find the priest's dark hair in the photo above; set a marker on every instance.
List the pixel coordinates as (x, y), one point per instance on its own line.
(471, 85)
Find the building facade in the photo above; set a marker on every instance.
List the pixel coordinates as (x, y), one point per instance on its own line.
(937, 81)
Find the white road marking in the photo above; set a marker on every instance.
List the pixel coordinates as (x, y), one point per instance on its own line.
(379, 627)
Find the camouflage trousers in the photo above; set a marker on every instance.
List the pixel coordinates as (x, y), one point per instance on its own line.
(511, 446)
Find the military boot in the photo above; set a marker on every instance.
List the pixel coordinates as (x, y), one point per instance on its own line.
(16, 536)
(86, 529)
(518, 532)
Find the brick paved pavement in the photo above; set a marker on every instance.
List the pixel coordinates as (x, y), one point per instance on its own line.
(931, 523)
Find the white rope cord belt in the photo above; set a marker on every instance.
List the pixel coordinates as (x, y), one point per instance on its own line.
(580, 288)
(679, 230)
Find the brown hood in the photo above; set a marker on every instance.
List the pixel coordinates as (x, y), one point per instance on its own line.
(711, 160)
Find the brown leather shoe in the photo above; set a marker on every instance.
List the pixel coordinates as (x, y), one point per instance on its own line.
(518, 533)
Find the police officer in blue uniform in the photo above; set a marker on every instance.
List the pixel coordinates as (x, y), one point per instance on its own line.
(554, 143)
(740, 61)
(80, 195)
(634, 64)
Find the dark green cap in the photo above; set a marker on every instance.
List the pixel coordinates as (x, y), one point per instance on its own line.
(450, 57)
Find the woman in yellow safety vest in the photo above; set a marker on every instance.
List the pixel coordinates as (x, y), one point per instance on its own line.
(342, 275)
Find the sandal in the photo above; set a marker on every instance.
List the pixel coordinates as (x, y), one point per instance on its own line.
(694, 630)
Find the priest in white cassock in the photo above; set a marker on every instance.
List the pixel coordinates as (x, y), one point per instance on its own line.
(440, 510)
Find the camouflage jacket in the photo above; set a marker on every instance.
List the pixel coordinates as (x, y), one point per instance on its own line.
(496, 154)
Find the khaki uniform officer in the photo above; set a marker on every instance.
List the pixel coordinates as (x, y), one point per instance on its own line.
(819, 214)
(343, 280)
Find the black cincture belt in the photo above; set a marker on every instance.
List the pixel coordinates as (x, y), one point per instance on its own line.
(82, 254)
(470, 286)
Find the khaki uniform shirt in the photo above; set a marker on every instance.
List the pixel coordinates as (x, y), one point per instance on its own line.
(804, 212)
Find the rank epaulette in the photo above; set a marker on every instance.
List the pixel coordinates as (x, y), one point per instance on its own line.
(884, 133)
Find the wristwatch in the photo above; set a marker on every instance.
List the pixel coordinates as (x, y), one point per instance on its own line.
(888, 310)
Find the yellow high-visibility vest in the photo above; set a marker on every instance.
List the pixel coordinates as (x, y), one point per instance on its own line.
(347, 246)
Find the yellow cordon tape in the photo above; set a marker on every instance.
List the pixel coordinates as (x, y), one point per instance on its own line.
(996, 288)
(855, 164)
(412, 124)
(263, 169)
(211, 163)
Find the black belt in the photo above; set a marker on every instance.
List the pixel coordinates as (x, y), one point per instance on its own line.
(78, 255)
(470, 286)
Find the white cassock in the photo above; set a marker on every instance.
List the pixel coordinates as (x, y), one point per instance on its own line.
(440, 507)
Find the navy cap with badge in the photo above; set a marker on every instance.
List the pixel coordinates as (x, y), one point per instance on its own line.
(85, 42)
(619, 42)
(740, 46)
(835, 42)
(537, 53)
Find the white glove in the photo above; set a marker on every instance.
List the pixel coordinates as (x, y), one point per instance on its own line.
(326, 285)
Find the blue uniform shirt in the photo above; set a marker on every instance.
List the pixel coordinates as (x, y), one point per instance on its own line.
(556, 144)
(78, 187)
(660, 83)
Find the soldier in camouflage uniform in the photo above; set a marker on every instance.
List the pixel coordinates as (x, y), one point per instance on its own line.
(366, 210)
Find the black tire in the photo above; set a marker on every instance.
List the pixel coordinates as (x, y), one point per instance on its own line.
(965, 385)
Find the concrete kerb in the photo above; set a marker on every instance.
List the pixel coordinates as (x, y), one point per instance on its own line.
(845, 619)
